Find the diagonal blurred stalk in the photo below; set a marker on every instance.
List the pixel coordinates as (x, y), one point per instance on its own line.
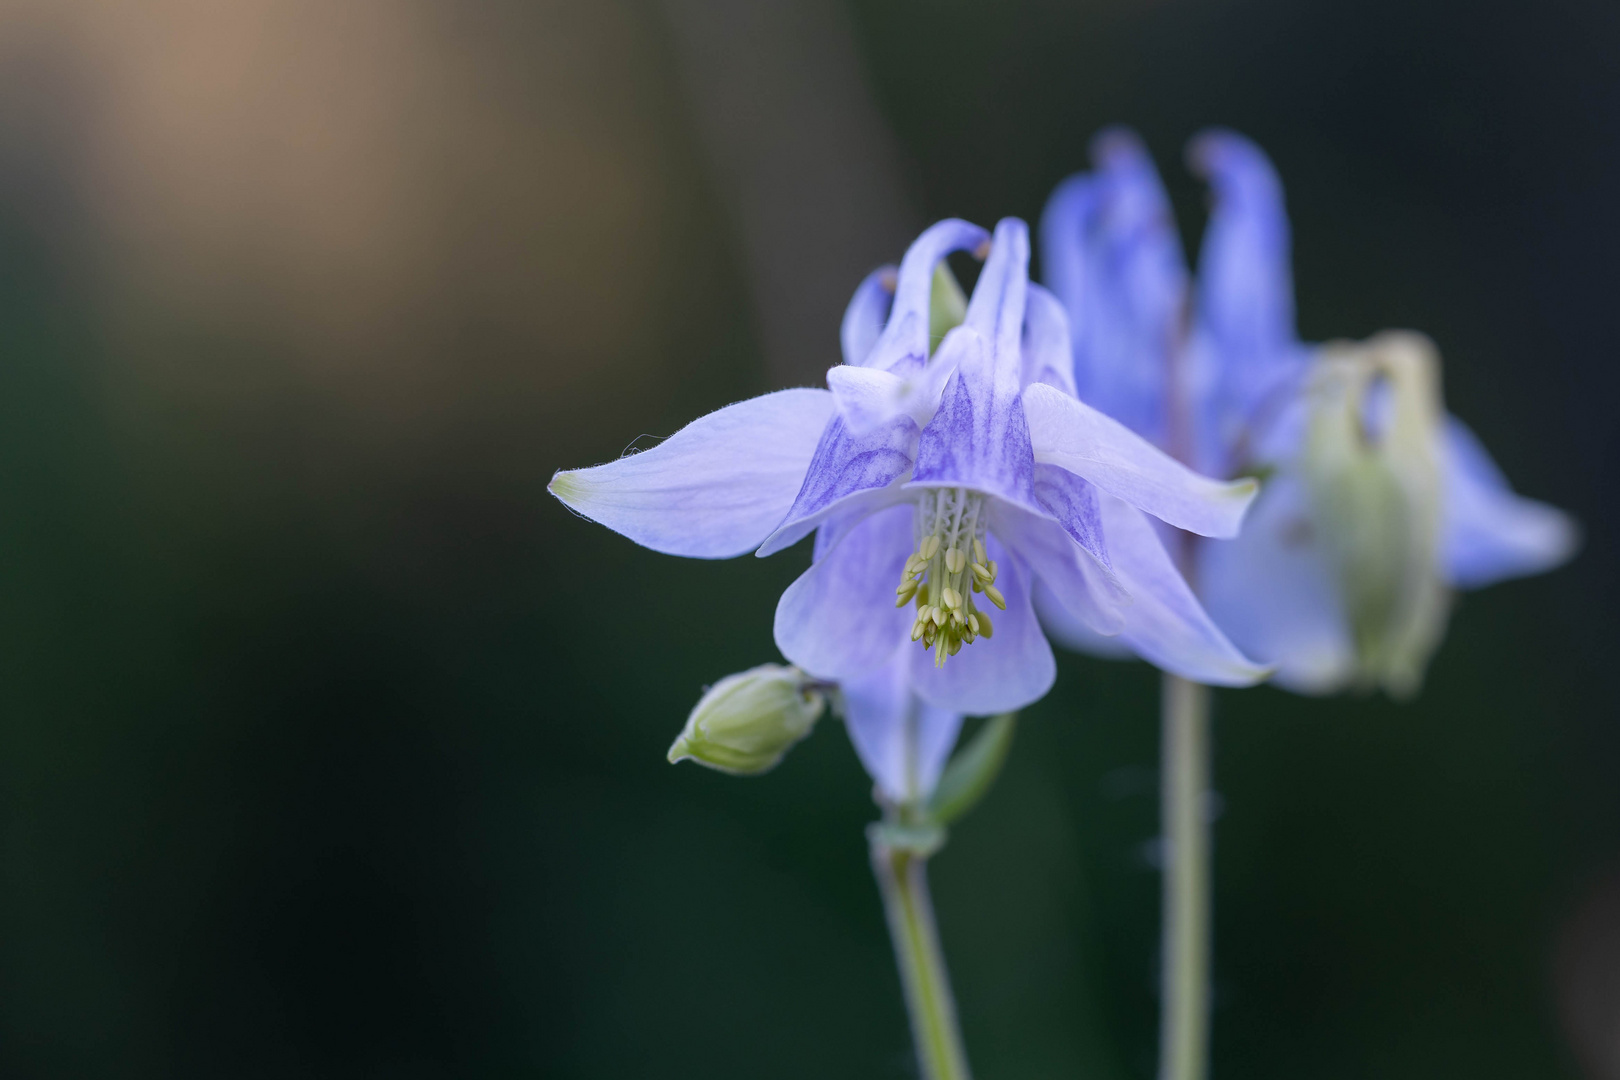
(1183, 801)
(902, 877)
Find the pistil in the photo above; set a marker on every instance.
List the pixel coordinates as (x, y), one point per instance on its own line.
(950, 564)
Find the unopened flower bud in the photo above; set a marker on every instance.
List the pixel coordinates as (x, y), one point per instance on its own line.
(1372, 466)
(746, 722)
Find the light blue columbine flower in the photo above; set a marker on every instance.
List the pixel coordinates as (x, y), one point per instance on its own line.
(1377, 502)
(942, 483)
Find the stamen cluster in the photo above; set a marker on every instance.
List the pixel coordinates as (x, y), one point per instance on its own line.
(941, 577)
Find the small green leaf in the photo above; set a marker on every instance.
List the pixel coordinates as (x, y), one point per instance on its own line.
(971, 772)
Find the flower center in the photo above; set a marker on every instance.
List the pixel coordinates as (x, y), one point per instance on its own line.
(948, 565)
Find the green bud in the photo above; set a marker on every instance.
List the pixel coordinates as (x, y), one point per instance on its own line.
(1372, 466)
(746, 722)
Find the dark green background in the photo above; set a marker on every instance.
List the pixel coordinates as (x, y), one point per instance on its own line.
(331, 746)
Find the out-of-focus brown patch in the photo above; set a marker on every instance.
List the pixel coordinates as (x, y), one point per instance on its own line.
(404, 205)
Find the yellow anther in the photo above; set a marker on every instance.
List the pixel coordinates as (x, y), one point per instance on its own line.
(917, 630)
(993, 568)
(955, 645)
(951, 598)
(995, 598)
(982, 572)
(930, 547)
(903, 595)
(955, 560)
(979, 554)
(938, 615)
(985, 628)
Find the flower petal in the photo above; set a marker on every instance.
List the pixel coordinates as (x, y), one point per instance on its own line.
(1048, 354)
(1073, 501)
(1273, 591)
(1010, 670)
(1165, 624)
(902, 741)
(1082, 585)
(1491, 534)
(978, 438)
(1072, 435)
(903, 347)
(868, 310)
(1112, 256)
(846, 471)
(715, 488)
(839, 619)
(1072, 632)
(869, 397)
(1245, 284)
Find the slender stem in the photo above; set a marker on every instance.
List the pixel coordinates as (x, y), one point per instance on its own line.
(902, 877)
(1183, 798)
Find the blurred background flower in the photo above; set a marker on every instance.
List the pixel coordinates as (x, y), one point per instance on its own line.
(317, 752)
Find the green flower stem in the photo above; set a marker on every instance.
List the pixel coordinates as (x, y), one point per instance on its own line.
(1184, 780)
(902, 877)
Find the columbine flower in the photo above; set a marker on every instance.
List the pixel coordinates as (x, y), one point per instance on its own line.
(1377, 503)
(950, 483)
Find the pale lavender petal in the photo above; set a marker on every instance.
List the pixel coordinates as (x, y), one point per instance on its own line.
(868, 310)
(903, 346)
(978, 438)
(1274, 593)
(1013, 669)
(1048, 353)
(1244, 321)
(1245, 284)
(902, 741)
(1491, 534)
(839, 618)
(847, 471)
(1073, 501)
(1165, 624)
(1072, 632)
(715, 488)
(1085, 587)
(1112, 256)
(870, 397)
(1072, 435)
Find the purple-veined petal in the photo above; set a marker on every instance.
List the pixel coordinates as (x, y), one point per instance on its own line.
(866, 314)
(1165, 624)
(715, 488)
(1091, 592)
(1113, 258)
(1048, 353)
(903, 346)
(978, 439)
(902, 740)
(869, 397)
(1073, 501)
(1490, 534)
(1072, 435)
(847, 471)
(1010, 670)
(839, 618)
(1274, 593)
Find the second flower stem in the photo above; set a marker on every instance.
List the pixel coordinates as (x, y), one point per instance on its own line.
(1183, 802)
(902, 876)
